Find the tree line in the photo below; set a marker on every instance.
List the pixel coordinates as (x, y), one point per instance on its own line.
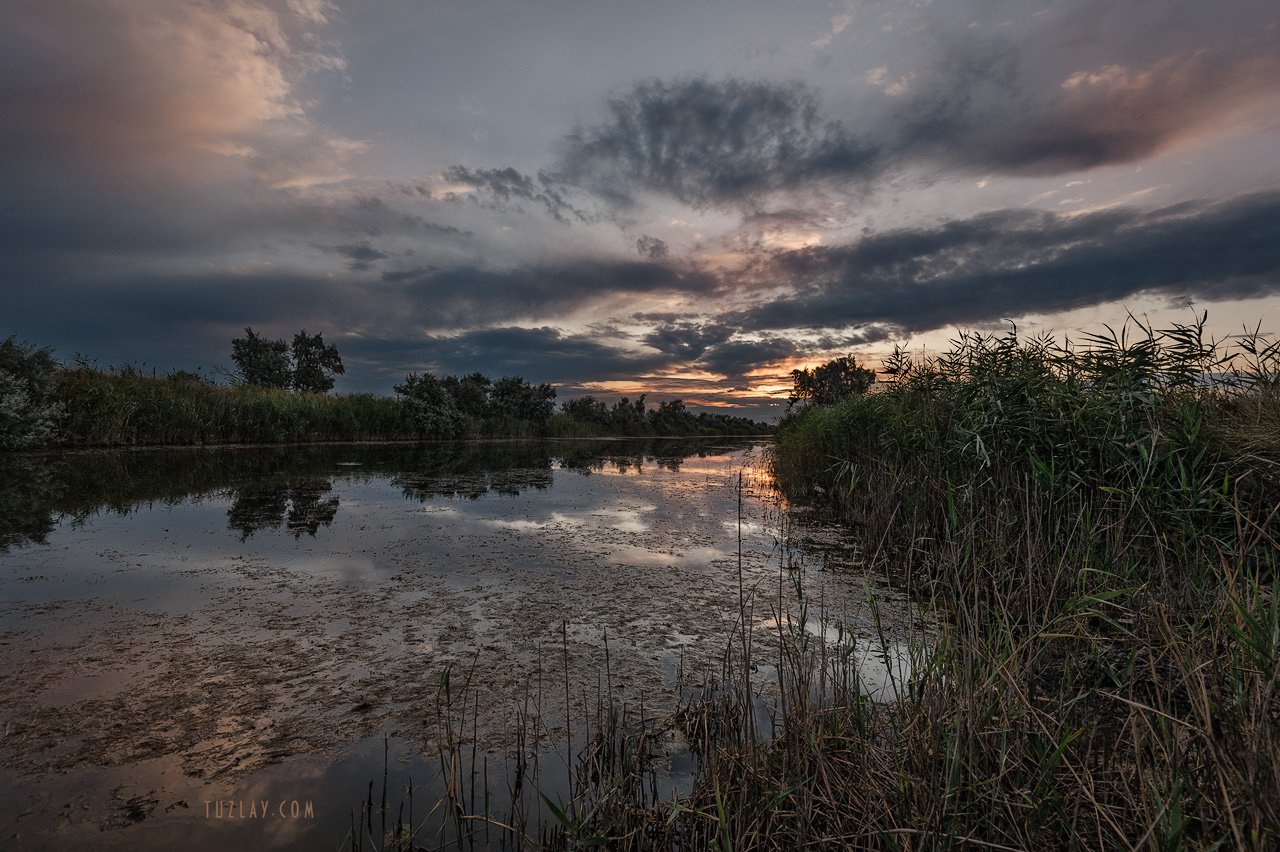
(670, 417)
(457, 406)
(279, 391)
(444, 407)
(831, 382)
(453, 406)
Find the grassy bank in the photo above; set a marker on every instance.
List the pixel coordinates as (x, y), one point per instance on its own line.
(124, 408)
(91, 407)
(1099, 525)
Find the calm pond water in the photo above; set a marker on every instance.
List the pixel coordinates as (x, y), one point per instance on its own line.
(182, 629)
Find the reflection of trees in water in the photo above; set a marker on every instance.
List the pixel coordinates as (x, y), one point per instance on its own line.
(27, 487)
(634, 455)
(473, 486)
(299, 506)
(473, 470)
(291, 487)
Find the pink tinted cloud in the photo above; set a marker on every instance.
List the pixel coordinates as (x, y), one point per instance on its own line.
(1174, 100)
(127, 89)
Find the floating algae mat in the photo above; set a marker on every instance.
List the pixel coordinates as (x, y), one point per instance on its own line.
(215, 645)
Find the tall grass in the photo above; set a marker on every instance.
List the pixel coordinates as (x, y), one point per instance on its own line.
(1100, 524)
(127, 408)
(1161, 437)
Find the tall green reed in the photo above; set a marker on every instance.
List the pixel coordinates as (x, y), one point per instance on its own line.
(128, 408)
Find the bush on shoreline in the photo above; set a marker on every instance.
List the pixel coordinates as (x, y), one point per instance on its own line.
(1171, 432)
(29, 411)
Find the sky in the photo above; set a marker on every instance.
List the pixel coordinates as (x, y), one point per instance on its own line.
(690, 199)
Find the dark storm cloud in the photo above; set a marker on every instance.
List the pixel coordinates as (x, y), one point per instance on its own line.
(976, 108)
(851, 340)
(58, 222)
(504, 188)
(717, 347)
(147, 306)
(538, 354)
(176, 320)
(736, 358)
(688, 341)
(1015, 262)
(708, 143)
(468, 296)
(734, 349)
(979, 105)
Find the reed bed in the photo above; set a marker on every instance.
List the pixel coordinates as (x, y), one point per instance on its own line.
(128, 408)
(1099, 522)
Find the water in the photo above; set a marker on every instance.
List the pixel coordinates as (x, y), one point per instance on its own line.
(189, 638)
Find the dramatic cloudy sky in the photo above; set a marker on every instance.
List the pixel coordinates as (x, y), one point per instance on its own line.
(688, 198)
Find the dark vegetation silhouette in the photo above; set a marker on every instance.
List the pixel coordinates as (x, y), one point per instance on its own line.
(475, 405)
(280, 393)
(454, 407)
(830, 382)
(669, 418)
(308, 365)
(29, 408)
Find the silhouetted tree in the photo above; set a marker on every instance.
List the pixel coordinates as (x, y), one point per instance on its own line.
(830, 383)
(314, 363)
(629, 417)
(434, 412)
(672, 418)
(307, 365)
(587, 409)
(513, 397)
(260, 362)
(470, 393)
